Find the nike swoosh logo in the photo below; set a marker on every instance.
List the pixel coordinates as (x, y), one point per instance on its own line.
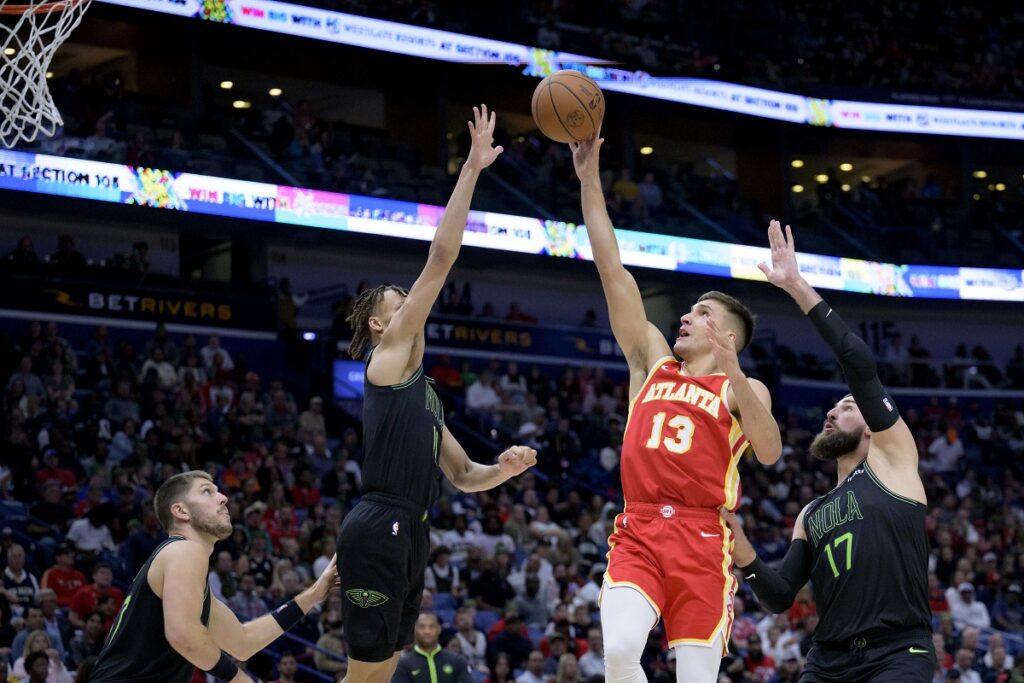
(918, 651)
(709, 535)
(751, 576)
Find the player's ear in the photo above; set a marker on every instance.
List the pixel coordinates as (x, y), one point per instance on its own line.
(179, 511)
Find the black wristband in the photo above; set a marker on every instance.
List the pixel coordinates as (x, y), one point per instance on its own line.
(224, 669)
(288, 614)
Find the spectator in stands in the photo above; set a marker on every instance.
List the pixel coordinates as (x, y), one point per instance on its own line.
(122, 406)
(441, 575)
(90, 642)
(483, 401)
(1008, 611)
(18, 581)
(650, 195)
(445, 375)
(511, 641)
(213, 348)
(626, 199)
(332, 642)
(32, 622)
(87, 597)
(534, 672)
(167, 376)
(39, 643)
(246, 604)
(472, 642)
(965, 666)
(52, 470)
(286, 668)
(222, 580)
(589, 319)
(67, 259)
(568, 669)
(32, 385)
(92, 534)
(947, 449)
(55, 623)
(49, 516)
(517, 315)
(63, 578)
(311, 422)
(1015, 368)
(969, 612)
(25, 253)
(592, 662)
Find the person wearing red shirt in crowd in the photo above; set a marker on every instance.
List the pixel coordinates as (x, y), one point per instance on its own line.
(760, 665)
(282, 524)
(86, 599)
(802, 606)
(93, 497)
(63, 578)
(53, 470)
(445, 375)
(304, 493)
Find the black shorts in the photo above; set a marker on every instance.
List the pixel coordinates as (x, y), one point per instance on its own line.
(383, 546)
(897, 658)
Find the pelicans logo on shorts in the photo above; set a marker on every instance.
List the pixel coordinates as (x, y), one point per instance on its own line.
(365, 598)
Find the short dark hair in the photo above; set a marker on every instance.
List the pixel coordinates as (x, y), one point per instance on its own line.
(173, 491)
(737, 308)
(30, 660)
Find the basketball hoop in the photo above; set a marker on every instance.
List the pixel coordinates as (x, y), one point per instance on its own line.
(30, 34)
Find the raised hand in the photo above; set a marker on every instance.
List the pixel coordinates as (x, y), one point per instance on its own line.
(585, 157)
(784, 271)
(481, 131)
(724, 349)
(517, 460)
(327, 581)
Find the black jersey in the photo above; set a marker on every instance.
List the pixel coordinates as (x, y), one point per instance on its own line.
(869, 551)
(402, 427)
(136, 649)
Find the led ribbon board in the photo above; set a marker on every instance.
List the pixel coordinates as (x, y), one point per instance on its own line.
(416, 41)
(188, 192)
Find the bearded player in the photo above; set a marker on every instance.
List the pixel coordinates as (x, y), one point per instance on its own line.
(692, 415)
(864, 544)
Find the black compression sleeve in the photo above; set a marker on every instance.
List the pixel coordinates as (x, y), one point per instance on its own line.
(776, 589)
(858, 364)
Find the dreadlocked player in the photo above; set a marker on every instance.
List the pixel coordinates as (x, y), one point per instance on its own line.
(386, 537)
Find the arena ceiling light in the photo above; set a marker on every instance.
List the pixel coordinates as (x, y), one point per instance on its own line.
(821, 178)
(646, 149)
(980, 175)
(10, 51)
(845, 187)
(1000, 187)
(274, 92)
(798, 189)
(797, 163)
(227, 85)
(242, 104)
(846, 166)
(865, 179)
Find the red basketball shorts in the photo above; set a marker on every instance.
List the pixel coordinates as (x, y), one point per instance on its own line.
(680, 559)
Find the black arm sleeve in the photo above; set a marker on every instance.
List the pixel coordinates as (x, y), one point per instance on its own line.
(858, 364)
(776, 589)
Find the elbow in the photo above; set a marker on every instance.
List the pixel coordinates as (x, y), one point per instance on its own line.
(769, 454)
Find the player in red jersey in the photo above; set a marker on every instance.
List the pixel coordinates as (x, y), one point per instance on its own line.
(692, 414)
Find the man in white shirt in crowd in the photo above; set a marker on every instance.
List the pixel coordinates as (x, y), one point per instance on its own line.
(472, 643)
(483, 401)
(211, 349)
(534, 672)
(969, 612)
(946, 450)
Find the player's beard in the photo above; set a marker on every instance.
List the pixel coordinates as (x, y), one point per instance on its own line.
(834, 444)
(213, 525)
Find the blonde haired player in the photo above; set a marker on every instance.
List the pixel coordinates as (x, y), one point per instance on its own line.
(692, 414)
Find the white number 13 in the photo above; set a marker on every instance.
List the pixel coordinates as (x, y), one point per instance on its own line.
(683, 438)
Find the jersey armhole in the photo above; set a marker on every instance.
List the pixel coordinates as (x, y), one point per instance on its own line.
(886, 489)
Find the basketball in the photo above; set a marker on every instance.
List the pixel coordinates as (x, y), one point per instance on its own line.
(568, 106)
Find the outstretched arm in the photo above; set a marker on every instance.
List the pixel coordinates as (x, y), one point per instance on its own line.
(889, 433)
(242, 641)
(775, 588)
(641, 342)
(469, 476)
(400, 338)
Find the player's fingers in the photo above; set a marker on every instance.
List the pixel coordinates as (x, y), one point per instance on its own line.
(763, 267)
(789, 238)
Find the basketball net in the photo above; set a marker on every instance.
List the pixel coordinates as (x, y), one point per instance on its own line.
(29, 37)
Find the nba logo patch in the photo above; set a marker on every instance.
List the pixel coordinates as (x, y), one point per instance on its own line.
(888, 405)
(394, 529)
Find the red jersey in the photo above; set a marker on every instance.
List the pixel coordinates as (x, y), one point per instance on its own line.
(682, 445)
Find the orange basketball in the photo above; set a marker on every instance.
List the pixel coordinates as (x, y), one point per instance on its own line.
(568, 106)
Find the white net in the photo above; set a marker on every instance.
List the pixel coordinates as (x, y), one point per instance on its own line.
(30, 35)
